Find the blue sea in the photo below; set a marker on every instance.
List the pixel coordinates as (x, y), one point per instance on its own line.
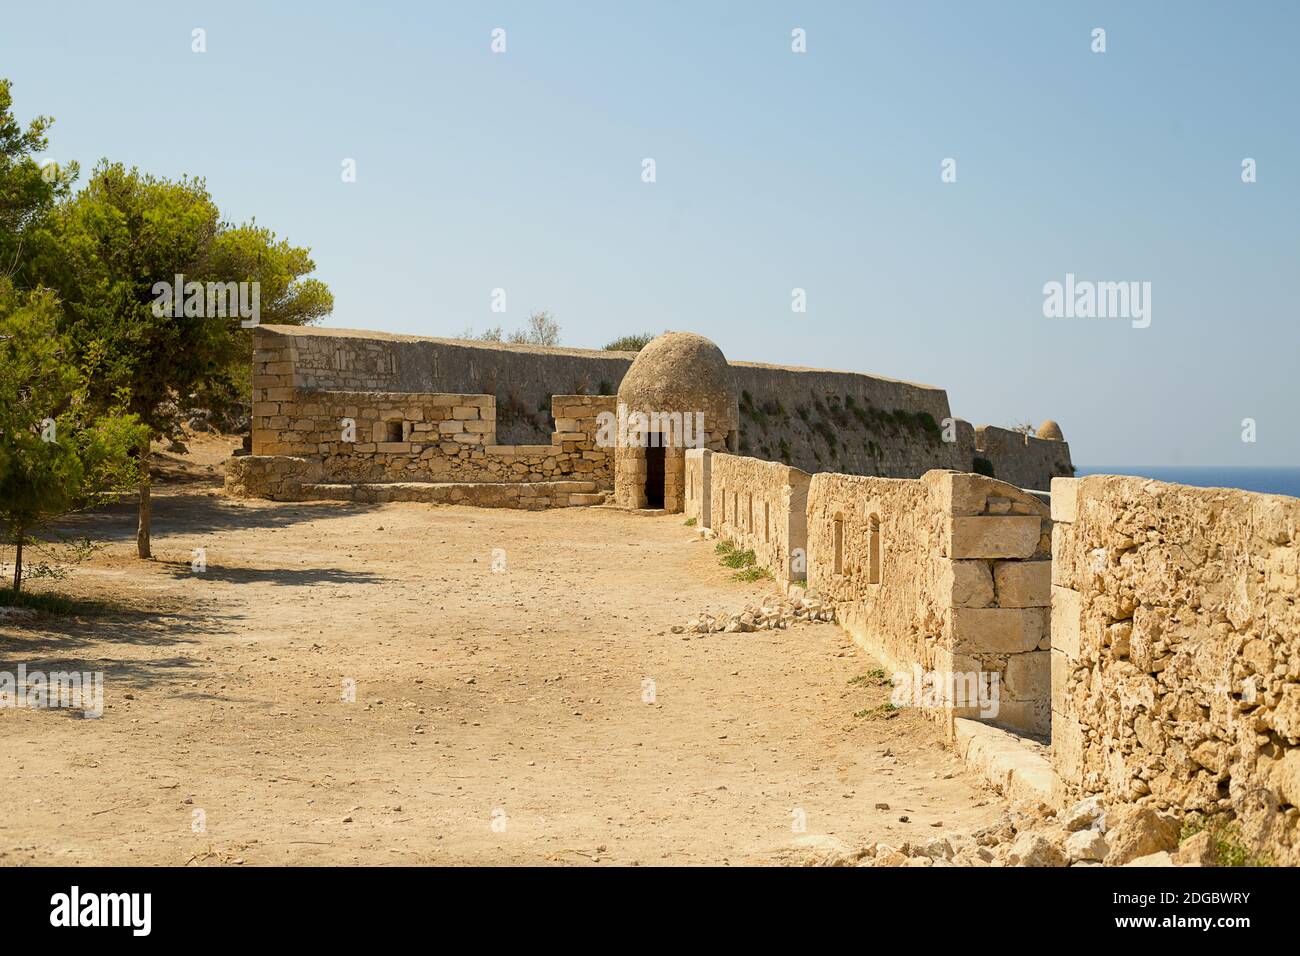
(1275, 481)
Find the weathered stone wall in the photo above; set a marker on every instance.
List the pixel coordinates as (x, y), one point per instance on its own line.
(525, 495)
(761, 506)
(948, 574)
(699, 474)
(1022, 460)
(811, 419)
(413, 436)
(270, 476)
(522, 378)
(847, 423)
(1176, 651)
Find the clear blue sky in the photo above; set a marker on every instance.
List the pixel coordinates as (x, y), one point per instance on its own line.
(775, 170)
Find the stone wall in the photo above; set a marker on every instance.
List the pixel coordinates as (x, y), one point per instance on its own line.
(524, 495)
(384, 436)
(278, 477)
(699, 473)
(847, 423)
(1176, 651)
(760, 506)
(812, 419)
(947, 576)
(1021, 460)
(522, 378)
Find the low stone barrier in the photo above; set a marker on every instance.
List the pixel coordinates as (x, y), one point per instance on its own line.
(945, 579)
(758, 506)
(278, 477)
(529, 496)
(1176, 652)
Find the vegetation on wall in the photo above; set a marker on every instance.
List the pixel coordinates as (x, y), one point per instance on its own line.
(829, 422)
(630, 343)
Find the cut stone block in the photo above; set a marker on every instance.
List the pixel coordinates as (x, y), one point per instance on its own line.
(1067, 612)
(968, 583)
(1065, 499)
(1023, 583)
(1062, 668)
(1067, 748)
(993, 536)
(997, 630)
(1029, 676)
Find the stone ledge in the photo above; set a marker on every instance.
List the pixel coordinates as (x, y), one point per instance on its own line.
(1017, 767)
(482, 494)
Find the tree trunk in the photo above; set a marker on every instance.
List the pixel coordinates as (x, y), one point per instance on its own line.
(18, 563)
(146, 510)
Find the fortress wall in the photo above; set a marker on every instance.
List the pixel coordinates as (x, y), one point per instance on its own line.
(1176, 651)
(522, 378)
(386, 436)
(1022, 460)
(839, 421)
(810, 419)
(946, 576)
(761, 506)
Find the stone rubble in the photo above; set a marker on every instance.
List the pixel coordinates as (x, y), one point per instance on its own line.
(775, 612)
(1078, 836)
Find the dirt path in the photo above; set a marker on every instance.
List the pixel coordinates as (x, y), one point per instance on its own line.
(511, 697)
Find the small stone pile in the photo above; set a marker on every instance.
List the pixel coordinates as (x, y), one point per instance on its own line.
(775, 612)
(1087, 834)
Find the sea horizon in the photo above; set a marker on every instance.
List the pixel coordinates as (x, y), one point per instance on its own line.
(1267, 479)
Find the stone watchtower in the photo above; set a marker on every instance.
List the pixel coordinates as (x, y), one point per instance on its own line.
(679, 393)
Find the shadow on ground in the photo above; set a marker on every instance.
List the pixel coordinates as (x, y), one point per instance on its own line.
(60, 643)
(179, 511)
(293, 577)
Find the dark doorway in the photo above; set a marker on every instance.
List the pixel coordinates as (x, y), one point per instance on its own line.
(654, 474)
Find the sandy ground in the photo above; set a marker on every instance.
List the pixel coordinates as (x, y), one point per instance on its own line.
(499, 718)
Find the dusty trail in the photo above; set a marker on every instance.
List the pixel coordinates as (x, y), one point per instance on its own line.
(479, 698)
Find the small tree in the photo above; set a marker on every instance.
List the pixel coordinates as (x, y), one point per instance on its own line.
(53, 458)
(541, 329)
(105, 250)
(630, 343)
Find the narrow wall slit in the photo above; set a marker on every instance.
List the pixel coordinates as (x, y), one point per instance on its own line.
(873, 549)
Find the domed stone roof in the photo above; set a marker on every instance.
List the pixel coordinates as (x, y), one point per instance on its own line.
(1050, 431)
(679, 371)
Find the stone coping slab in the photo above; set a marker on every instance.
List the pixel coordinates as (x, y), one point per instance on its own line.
(1017, 767)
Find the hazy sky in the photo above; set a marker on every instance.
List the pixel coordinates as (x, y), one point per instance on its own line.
(523, 170)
